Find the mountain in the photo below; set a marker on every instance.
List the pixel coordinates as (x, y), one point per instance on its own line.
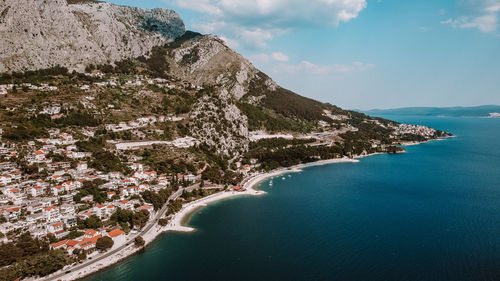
(164, 86)
(75, 33)
(473, 111)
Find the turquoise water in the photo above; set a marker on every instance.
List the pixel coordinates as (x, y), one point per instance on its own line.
(430, 214)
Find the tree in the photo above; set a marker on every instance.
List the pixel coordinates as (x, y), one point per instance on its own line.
(163, 222)
(174, 206)
(104, 243)
(139, 241)
(29, 245)
(140, 218)
(52, 238)
(93, 222)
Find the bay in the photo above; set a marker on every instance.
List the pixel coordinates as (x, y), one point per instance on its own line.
(432, 213)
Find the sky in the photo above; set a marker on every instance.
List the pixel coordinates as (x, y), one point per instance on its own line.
(361, 54)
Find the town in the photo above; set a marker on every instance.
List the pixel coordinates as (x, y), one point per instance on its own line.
(57, 190)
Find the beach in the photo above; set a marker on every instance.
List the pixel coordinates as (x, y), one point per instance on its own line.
(176, 222)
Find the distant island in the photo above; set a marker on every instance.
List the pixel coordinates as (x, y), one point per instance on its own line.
(473, 111)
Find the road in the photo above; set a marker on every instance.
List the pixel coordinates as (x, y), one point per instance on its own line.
(130, 241)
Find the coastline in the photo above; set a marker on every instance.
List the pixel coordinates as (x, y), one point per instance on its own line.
(177, 221)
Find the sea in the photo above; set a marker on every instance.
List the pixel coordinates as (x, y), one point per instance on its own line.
(432, 213)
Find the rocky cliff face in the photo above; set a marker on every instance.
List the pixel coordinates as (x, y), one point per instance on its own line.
(40, 34)
(207, 60)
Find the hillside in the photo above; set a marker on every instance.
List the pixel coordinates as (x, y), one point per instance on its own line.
(218, 97)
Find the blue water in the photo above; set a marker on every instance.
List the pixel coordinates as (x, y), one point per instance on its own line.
(430, 214)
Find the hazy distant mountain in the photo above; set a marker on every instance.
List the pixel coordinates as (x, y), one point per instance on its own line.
(473, 111)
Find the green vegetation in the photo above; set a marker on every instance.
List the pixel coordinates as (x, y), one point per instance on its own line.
(33, 76)
(104, 243)
(91, 188)
(157, 199)
(129, 219)
(37, 265)
(188, 35)
(139, 241)
(163, 222)
(286, 157)
(157, 62)
(73, 234)
(174, 207)
(262, 118)
(219, 176)
(108, 162)
(23, 247)
(28, 257)
(92, 222)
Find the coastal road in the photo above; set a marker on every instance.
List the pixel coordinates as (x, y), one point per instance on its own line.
(129, 242)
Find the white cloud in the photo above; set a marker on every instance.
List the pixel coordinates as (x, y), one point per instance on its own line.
(263, 58)
(279, 56)
(252, 37)
(479, 14)
(311, 68)
(253, 22)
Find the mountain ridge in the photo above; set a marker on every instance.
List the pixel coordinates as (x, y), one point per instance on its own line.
(43, 34)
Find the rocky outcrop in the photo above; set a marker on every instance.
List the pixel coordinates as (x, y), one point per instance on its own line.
(218, 123)
(40, 34)
(207, 60)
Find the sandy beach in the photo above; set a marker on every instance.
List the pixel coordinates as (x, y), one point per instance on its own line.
(176, 221)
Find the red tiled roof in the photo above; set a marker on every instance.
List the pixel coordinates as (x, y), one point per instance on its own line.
(72, 243)
(115, 233)
(59, 244)
(90, 232)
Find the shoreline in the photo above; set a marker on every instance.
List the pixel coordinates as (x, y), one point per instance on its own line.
(178, 222)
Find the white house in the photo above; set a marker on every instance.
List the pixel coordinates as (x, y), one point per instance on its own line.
(82, 166)
(36, 190)
(52, 214)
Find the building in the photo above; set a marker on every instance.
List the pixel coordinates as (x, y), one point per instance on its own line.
(36, 191)
(82, 166)
(52, 214)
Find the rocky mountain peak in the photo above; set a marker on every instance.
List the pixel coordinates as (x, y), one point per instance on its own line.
(42, 34)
